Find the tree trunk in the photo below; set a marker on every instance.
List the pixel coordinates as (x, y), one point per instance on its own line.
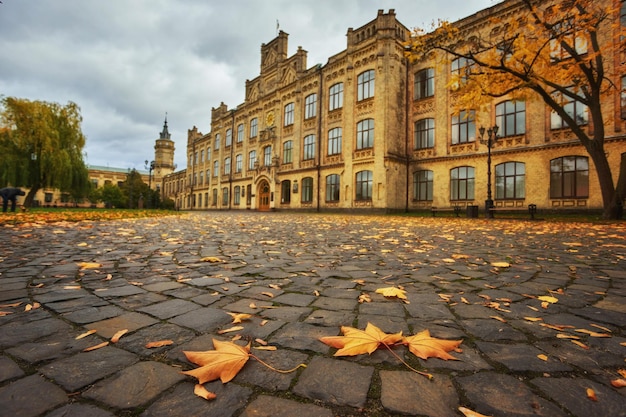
(605, 180)
(30, 197)
(620, 189)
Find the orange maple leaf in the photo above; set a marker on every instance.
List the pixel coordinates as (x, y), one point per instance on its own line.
(392, 292)
(224, 362)
(355, 341)
(424, 346)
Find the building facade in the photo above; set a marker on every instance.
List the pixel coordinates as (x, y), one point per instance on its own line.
(371, 130)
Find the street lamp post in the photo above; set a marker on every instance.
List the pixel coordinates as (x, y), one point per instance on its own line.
(150, 168)
(492, 136)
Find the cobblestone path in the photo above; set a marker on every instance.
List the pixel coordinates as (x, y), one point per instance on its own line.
(301, 276)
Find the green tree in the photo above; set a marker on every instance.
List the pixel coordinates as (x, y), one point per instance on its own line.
(111, 195)
(560, 51)
(134, 188)
(42, 145)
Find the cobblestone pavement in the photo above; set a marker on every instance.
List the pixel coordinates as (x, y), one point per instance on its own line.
(154, 282)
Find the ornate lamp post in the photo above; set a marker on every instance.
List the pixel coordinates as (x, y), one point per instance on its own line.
(492, 136)
(150, 168)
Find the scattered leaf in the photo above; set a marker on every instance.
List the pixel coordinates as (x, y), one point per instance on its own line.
(274, 286)
(11, 305)
(548, 299)
(424, 346)
(101, 345)
(202, 392)
(365, 298)
(116, 336)
(158, 344)
(542, 357)
(211, 259)
(533, 318)
(582, 345)
(268, 294)
(90, 332)
(224, 362)
(263, 323)
(601, 327)
(592, 333)
(230, 329)
(498, 318)
(238, 317)
(265, 347)
(356, 342)
(71, 287)
(469, 413)
(501, 264)
(89, 265)
(566, 336)
(591, 394)
(392, 292)
(618, 383)
(464, 300)
(261, 342)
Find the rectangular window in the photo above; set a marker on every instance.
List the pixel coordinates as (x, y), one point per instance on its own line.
(424, 84)
(569, 177)
(510, 180)
(289, 108)
(240, 133)
(215, 196)
(238, 163)
(365, 134)
(227, 166)
(365, 85)
(574, 109)
(423, 185)
(623, 93)
(237, 195)
(461, 69)
(335, 99)
(267, 156)
(287, 148)
(511, 118)
(285, 192)
(216, 169)
(307, 190)
(462, 183)
(463, 127)
(217, 141)
(229, 137)
(309, 147)
(364, 185)
(334, 141)
(254, 128)
(310, 106)
(251, 160)
(424, 135)
(332, 188)
(224, 196)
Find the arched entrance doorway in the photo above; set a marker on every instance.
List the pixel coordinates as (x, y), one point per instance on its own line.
(264, 196)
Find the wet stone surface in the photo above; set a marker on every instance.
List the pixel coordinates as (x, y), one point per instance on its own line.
(300, 277)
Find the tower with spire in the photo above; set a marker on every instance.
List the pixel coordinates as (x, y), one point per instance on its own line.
(163, 156)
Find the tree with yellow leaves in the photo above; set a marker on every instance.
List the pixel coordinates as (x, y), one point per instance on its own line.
(560, 51)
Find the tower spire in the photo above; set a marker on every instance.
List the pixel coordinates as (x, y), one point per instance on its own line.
(165, 134)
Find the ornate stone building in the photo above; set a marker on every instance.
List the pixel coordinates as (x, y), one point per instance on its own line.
(370, 130)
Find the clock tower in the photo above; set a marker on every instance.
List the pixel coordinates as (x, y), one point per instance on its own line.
(163, 157)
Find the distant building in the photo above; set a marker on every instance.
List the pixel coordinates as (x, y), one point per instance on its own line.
(370, 130)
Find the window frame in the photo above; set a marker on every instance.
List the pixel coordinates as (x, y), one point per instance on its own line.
(254, 128)
(462, 188)
(333, 188)
(310, 106)
(308, 148)
(576, 180)
(423, 185)
(335, 96)
(510, 180)
(511, 121)
(251, 160)
(288, 152)
(463, 124)
(364, 185)
(365, 134)
(334, 141)
(424, 133)
(240, 133)
(306, 195)
(424, 84)
(238, 163)
(285, 192)
(366, 83)
(289, 111)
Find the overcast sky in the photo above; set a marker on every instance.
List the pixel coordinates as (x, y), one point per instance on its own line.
(128, 62)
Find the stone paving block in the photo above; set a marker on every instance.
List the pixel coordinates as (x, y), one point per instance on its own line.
(131, 321)
(135, 385)
(331, 318)
(134, 302)
(330, 303)
(76, 304)
(439, 311)
(255, 373)
(521, 357)
(183, 402)
(259, 292)
(243, 306)
(14, 333)
(162, 286)
(9, 369)
(80, 410)
(54, 346)
(206, 299)
(11, 295)
(384, 308)
(388, 324)
(303, 336)
(335, 381)
(571, 393)
(410, 393)
(206, 319)
(123, 291)
(504, 395)
(169, 308)
(285, 313)
(29, 397)
(204, 282)
(298, 300)
(77, 371)
(137, 341)
(91, 314)
(266, 406)
(256, 327)
(484, 329)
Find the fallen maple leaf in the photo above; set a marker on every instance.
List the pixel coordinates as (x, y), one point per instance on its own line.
(89, 265)
(356, 342)
(211, 259)
(542, 357)
(202, 392)
(159, 343)
(230, 329)
(238, 317)
(80, 336)
(591, 394)
(392, 292)
(469, 413)
(101, 345)
(224, 362)
(501, 264)
(424, 346)
(116, 336)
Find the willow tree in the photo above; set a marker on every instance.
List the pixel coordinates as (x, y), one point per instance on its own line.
(42, 145)
(560, 51)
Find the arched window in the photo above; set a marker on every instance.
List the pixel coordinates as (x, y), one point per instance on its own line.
(424, 134)
(462, 183)
(363, 185)
(238, 163)
(365, 85)
(227, 165)
(237, 195)
(365, 134)
(332, 187)
(335, 99)
(309, 147)
(289, 114)
(267, 156)
(510, 180)
(423, 185)
(464, 127)
(285, 192)
(511, 118)
(334, 141)
(229, 137)
(287, 148)
(310, 106)
(424, 84)
(254, 128)
(569, 177)
(240, 133)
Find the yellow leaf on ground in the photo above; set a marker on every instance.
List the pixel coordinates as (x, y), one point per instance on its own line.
(89, 265)
(424, 346)
(601, 327)
(618, 383)
(224, 362)
(365, 298)
(566, 336)
(592, 333)
(582, 345)
(392, 292)
(548, 298)
(80, 336)
(533, 318)
(101, 345)
(591, 394)
(469, 413)
(356, 342)
(116, 336)
(265, 347)
(501, 264)
(542, 357)
(159, 343)
(211, 259)
(498, 318)
(268, 294)
(230, 329)
(202, 392)
(238, 317)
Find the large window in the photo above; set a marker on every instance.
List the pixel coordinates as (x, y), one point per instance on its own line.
(423, 185)
(424, 135)
(208, 154)
(623, 93)
(363, 185)
(237, 195)
(240, 133)
(309, 147)
(254, 127)
(510, 180)
(218, 138)
(310, 106)
(511, 118)
(332, 187)
(216, 168)
(289, 114)
(226, 165)
(224, 196)
(462, 183)
(567, 37)
(287, 149)
(251, 160)
(461, 69)
(335, 100)
(334, 141)
(569, 177)
(267, 156)
(229, 137)
(365, 134)
(285, 192)
(238, 163)
(307, 190)
(424, 84)
(365, 85)
(463, 127)
(574, 109)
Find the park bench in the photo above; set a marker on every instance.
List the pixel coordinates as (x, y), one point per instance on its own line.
(455, 209)
(531, 209)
